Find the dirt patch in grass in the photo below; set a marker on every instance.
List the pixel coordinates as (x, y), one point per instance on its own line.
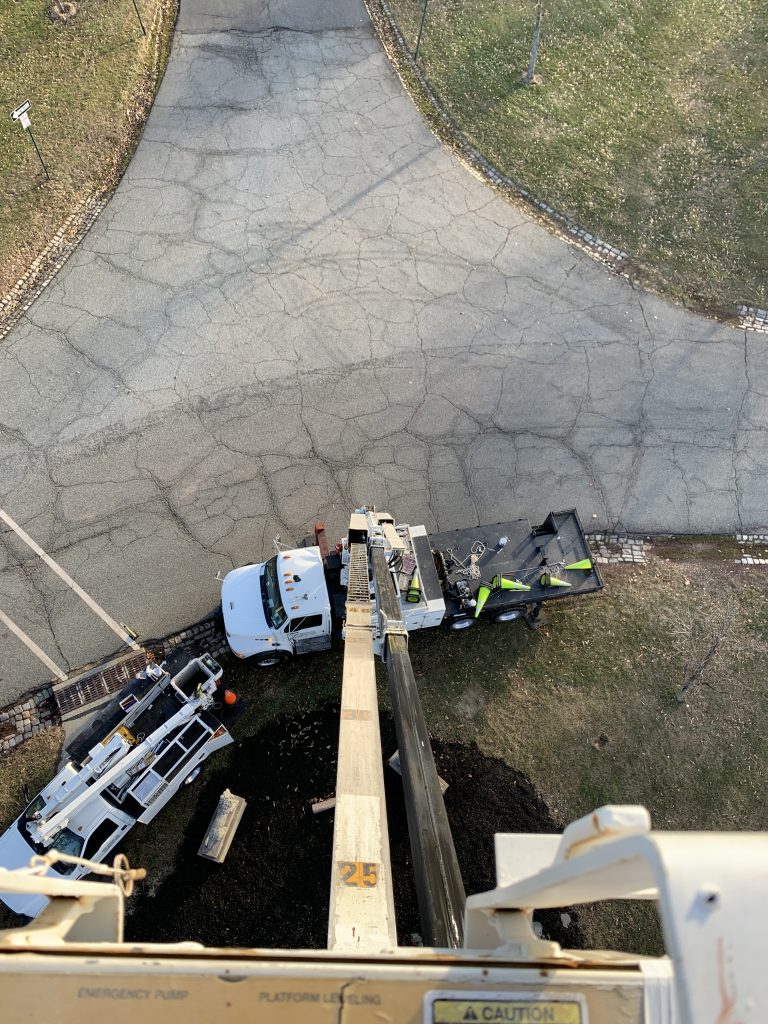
(696, 547)
(648, 129)
(90, 78)
(273, 889)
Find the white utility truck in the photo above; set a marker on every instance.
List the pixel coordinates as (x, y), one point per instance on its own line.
(294, 602)
(122, 769)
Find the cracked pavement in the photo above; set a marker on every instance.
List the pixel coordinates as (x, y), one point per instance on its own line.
(298, 301)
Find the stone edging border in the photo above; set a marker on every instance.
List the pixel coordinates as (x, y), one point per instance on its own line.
(46, 266)
(19, 721)
(753, 319)
(612, 548)
(754, 541)
(50, 261)
(616, 260)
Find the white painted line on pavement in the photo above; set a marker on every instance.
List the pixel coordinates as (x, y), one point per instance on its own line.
(32, 646)
(114, 626)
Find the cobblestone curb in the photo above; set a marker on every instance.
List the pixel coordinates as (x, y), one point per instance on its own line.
(19, 721)
(756, 541)
(613, 548)
(40, 710)
(615, 259)
(50, 261)
(753, 319)
(205, 636)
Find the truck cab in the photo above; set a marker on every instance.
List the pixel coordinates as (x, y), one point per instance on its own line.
(279, 607)
(91, 835)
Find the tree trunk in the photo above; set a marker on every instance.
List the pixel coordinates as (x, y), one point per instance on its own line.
(529, 76)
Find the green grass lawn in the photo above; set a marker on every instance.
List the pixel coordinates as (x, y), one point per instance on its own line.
(90, 81)
(649, 129)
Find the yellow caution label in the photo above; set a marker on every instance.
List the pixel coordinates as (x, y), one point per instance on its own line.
(506, 1009)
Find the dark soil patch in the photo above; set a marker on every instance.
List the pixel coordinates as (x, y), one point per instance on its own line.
(273, 890)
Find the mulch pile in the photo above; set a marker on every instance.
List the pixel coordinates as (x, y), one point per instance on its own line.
(273, 889)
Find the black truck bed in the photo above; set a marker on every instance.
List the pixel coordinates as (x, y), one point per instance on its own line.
(528, 554)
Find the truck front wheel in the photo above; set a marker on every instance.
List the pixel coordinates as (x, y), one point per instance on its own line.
(269, 660)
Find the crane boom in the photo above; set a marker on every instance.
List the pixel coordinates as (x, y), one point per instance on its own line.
(439, 888)
(361, 915)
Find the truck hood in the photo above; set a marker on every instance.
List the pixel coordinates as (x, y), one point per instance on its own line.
(309, 594)
(15, 853)
(247, 629)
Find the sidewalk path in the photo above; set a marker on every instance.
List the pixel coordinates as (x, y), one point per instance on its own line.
(298, 301)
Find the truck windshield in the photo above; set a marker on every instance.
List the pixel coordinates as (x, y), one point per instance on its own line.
(67, 842)
(270, 592)
(34, 808)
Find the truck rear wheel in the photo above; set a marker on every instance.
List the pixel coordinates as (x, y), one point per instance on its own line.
(510, 615)
(269, 660)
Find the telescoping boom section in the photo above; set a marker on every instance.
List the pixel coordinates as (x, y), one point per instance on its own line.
(361, 914)
(361, 911)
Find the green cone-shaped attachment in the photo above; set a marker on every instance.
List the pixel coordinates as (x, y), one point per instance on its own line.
(413, 594)
(552, 581)
(585, 563)
(501, 583)
(482, 596)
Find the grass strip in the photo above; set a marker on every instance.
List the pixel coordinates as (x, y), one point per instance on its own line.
(647, 130)
(91, 80)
